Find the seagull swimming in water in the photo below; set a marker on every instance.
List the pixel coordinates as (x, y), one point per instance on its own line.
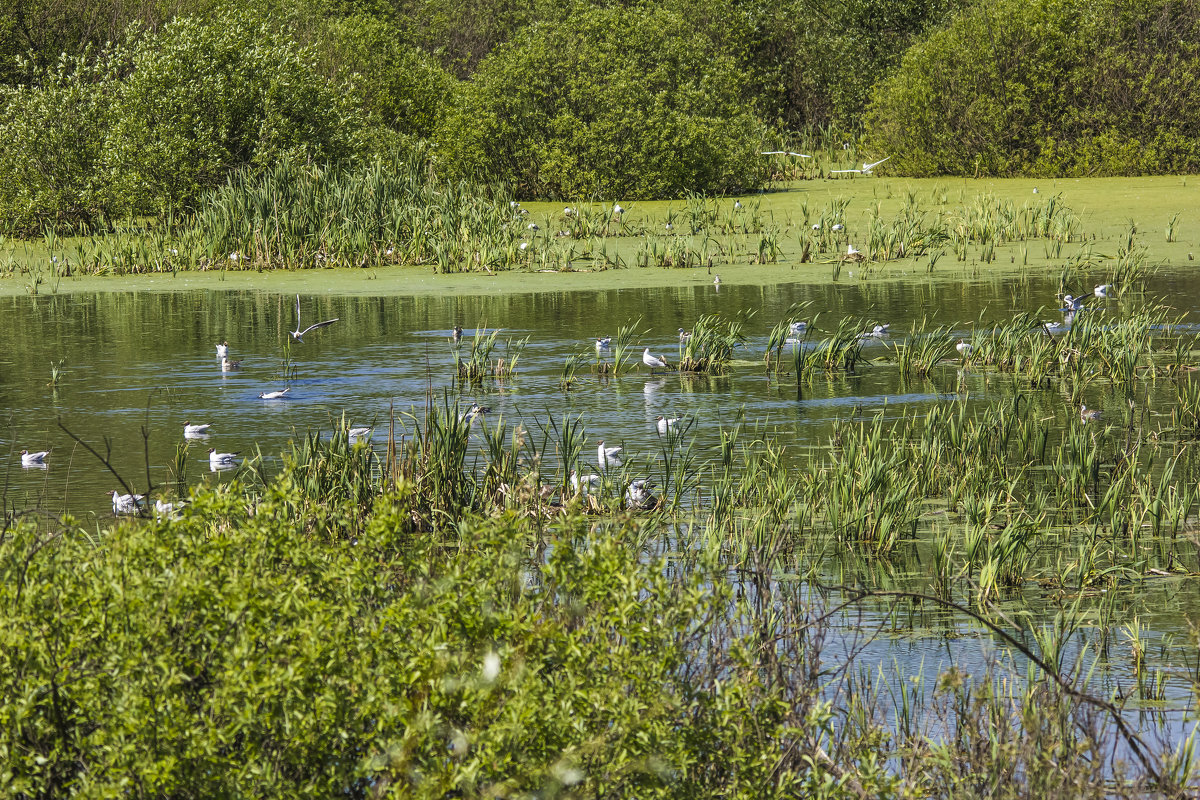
(653, 362)
(606, 457)
(1102, 290)
(298, 334)
(221, 458)
(963, 348)
(195, 431)
(126, 503)
(1073, 303)
(358, 434)
(37, 459)
(1088, 414)
(278, 394)
(798, 328)
(603, 341)
(665, 425)
(223, 350)
(227, 365)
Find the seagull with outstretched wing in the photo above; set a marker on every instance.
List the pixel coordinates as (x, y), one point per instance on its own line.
(866, 168)
(298, 334)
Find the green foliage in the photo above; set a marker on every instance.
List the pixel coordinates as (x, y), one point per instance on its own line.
(382, 212)
(1066, 87)
(241, 651)
(392, 82)
(53, 128)
(208, 96)
(620, 103)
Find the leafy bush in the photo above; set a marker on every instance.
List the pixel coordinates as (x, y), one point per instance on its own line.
(261, 652)
(397, 85)
(52, 127)
(208, 96)
(611, 102)
(1068, 87)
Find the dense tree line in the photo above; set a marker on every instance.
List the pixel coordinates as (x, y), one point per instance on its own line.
(115, 108)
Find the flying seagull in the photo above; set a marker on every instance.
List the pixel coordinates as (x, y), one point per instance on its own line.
(298, 334)
(866, 168)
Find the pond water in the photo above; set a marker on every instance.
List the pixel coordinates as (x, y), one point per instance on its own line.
(137, 364)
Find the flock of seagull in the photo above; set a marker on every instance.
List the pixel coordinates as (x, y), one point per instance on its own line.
(136, 503)
(638, 494)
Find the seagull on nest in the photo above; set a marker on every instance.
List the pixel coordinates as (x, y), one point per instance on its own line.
(606, 457)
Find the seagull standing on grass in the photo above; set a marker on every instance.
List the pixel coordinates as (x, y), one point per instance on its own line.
(298, 334)
(607, 458)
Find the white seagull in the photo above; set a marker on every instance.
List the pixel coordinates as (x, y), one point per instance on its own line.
(1102, 290)
(665, 425)
(1088, 414)
(606, 457)
(603, 341)
(221, 458)
(29, 459)
(638, 495)
(227, 365)
(194, 431)
(223, 350)
(963, 348)
(584, 483)
(171, 510)
(653, 362)
(866, 168)
(618, 210)
(126, 503)
(717, 281)
(278, 394)
(358, 434)
(298, 334)
(798, 328)
(1073, 303)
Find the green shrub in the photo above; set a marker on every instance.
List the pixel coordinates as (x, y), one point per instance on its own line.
(1065, 87)
(208, 96)
(52, 127)
(259, 651)
(618, 103)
